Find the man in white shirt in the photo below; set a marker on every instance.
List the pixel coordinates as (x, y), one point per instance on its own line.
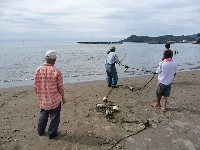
(112, 77)
(166, 71)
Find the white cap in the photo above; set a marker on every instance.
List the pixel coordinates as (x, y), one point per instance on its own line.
(51, 54)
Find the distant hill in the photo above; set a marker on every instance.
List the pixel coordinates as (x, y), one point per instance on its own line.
(194, 35)
(161, 39)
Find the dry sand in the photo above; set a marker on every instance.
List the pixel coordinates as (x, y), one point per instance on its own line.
(83, 128)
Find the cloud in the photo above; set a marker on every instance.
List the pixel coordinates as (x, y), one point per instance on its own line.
(96, 20)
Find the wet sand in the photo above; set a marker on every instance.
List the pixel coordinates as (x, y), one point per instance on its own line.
(83, 128)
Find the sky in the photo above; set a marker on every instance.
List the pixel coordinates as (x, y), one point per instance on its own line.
(96, 20)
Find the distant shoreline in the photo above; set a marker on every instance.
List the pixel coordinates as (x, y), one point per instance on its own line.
(193, 42)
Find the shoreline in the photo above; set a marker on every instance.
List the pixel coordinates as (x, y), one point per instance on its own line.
(79, 79)
(82, 127)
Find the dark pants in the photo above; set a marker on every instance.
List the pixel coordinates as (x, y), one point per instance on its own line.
(43, 119)
(163, 90)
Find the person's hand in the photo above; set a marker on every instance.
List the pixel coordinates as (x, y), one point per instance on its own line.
(64, 100)
(154, 72)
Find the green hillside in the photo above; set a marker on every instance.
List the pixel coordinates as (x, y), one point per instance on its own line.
(162, 39)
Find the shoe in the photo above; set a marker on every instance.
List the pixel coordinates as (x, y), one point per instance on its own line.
(54, 135)
(109, 85)
(114, 86)
(40, 134)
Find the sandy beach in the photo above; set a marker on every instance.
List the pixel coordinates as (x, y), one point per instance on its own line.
(83, 128)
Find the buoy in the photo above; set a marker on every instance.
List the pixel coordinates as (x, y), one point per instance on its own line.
(115, 108)
(100, 105)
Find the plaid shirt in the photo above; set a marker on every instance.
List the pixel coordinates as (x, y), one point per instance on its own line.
(48, 81)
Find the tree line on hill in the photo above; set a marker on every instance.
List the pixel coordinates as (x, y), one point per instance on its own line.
(162, 39)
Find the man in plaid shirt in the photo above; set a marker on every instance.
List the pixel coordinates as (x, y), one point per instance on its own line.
(48, 85)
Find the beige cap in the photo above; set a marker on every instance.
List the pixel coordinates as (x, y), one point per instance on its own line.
(51, 54)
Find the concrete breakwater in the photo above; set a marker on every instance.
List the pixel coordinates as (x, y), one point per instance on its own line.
(100, 42)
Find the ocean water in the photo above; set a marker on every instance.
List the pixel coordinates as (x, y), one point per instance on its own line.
(86, 62)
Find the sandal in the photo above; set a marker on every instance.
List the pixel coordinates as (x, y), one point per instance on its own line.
(155, 105)
(163, 109)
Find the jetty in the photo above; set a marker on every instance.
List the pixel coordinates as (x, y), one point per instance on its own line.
(100, 42)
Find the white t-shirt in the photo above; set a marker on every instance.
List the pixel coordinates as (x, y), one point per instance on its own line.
(166, 71)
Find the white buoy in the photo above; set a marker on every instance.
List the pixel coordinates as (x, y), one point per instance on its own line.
(100, 105)
(115, 108)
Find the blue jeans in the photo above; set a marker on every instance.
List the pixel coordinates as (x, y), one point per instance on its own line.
(112, 77)
(43, 119)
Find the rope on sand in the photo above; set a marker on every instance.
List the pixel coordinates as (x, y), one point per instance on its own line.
(144, 122)
(129, 136)
(110, 111)
(143, 86)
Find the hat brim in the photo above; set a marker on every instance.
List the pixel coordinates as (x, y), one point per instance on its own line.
(50, 57)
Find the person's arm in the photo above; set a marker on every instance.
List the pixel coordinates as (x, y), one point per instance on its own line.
(35, 82)
(63, 95)
(172, 53)
(116, 58)
(154, 72)
(60, 87)
(158, 70)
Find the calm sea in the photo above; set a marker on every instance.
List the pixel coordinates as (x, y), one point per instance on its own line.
(86, 62)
